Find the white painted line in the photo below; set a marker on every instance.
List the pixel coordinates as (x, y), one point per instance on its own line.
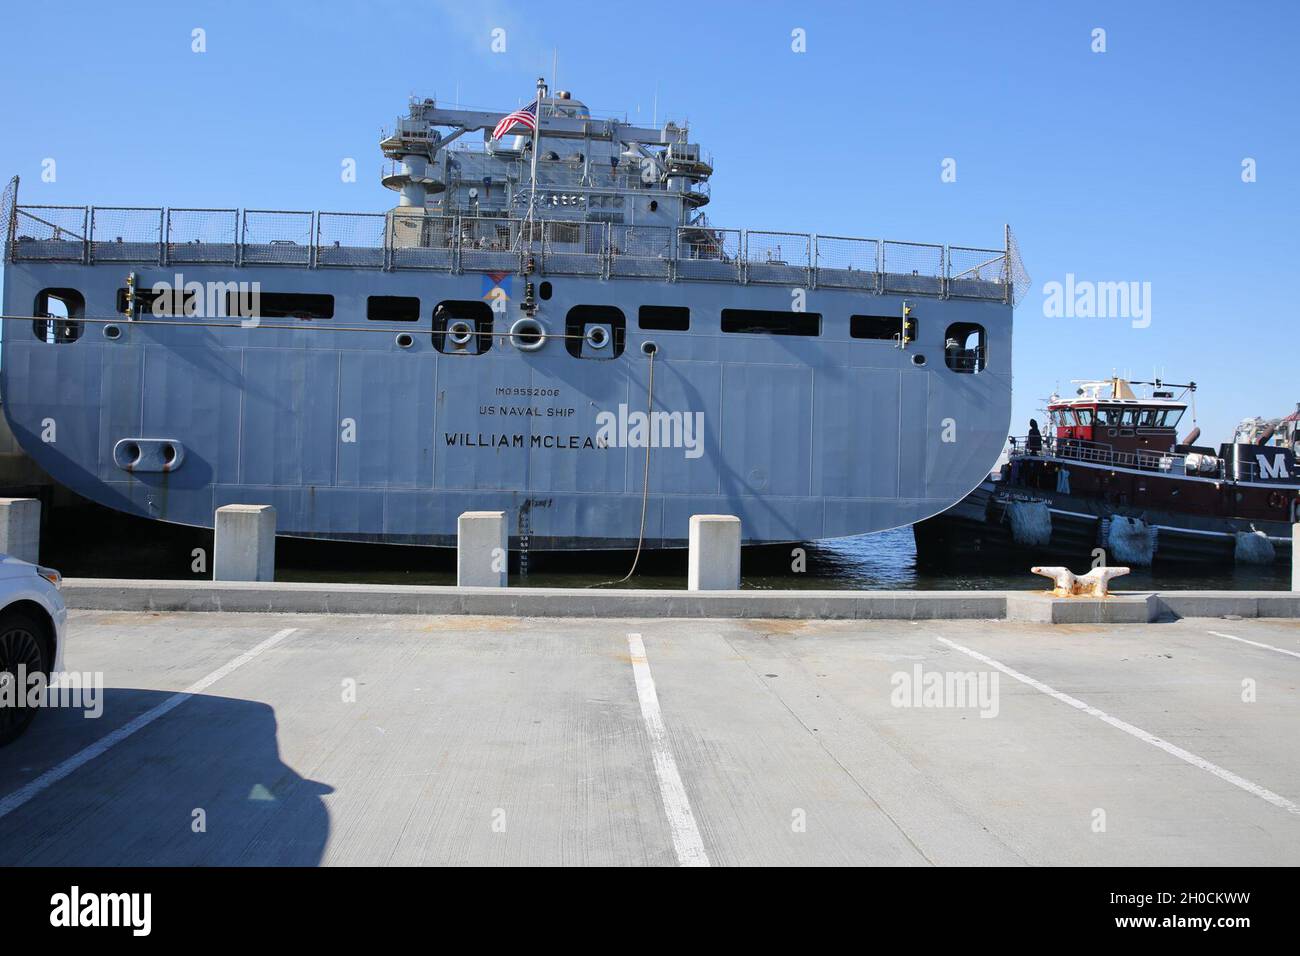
(1267, 647)
(1185, 755)
(52, 776)
(681, 821)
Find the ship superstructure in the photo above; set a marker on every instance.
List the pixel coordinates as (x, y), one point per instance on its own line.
(548, 327)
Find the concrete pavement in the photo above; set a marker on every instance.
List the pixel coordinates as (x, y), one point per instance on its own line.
(412, 739)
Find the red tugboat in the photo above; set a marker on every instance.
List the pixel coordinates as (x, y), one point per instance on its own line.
(1109, 472)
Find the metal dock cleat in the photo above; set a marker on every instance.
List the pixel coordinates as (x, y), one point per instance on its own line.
(1093, 584)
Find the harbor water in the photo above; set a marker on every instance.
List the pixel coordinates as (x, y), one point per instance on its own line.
(90, 541)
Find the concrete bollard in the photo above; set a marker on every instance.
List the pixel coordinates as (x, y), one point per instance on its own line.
(20, 528)
(714, 560)
(244, 544)
(1295, 556)
(482, 549)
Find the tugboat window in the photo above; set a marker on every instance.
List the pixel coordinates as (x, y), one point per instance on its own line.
(61, 311)
(393, 308)
(964, 347)
(664, 318)
(761, 322)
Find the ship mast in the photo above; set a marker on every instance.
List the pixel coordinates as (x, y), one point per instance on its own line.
(537, 136)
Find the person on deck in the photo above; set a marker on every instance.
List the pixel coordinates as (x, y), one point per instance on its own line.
(1034, 441)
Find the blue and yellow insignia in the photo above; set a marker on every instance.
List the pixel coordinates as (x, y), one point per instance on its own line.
(497, 285)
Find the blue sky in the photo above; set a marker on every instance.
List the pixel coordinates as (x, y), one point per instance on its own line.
(1122, 166)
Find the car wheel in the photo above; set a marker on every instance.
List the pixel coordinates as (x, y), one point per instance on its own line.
(22, 650)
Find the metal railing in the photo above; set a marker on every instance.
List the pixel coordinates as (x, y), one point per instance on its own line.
(1097, 453)
(203, 235)
(415, 239)
(644, 251)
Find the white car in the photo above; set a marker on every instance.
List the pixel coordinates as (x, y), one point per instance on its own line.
(33, 621)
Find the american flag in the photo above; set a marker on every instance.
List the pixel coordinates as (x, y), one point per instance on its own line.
(524, 117)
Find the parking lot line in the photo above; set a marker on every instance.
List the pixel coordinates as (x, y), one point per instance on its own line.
(1172, 749)
(52, 776)
(687, 842)
(1267, 647)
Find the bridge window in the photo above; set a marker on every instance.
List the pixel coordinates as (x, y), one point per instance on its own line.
(762, 322)
(964, 348)
(393, 308)
(664, 318)
(60, 311)
(882, 328)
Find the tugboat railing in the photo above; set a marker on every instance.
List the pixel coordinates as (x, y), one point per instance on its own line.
(415, 239)
(1207, 466)
(1096, 453)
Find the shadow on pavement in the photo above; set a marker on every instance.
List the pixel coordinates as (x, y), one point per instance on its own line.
(203, 784)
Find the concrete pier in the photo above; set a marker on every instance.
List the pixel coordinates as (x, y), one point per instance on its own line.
(538, 741)
(20, 528)
(482, 549)
(244, 543)
(111, 594)
(714, 560)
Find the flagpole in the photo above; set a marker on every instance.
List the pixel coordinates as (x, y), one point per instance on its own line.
(537, 134)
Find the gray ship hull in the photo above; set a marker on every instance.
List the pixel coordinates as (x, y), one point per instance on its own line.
(351, 436)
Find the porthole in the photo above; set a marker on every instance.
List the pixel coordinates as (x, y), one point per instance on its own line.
(654, 205)
(112, 332)
(404, 341)
(528, 335)
(918, 360)
(649, 348)
(544, 290)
